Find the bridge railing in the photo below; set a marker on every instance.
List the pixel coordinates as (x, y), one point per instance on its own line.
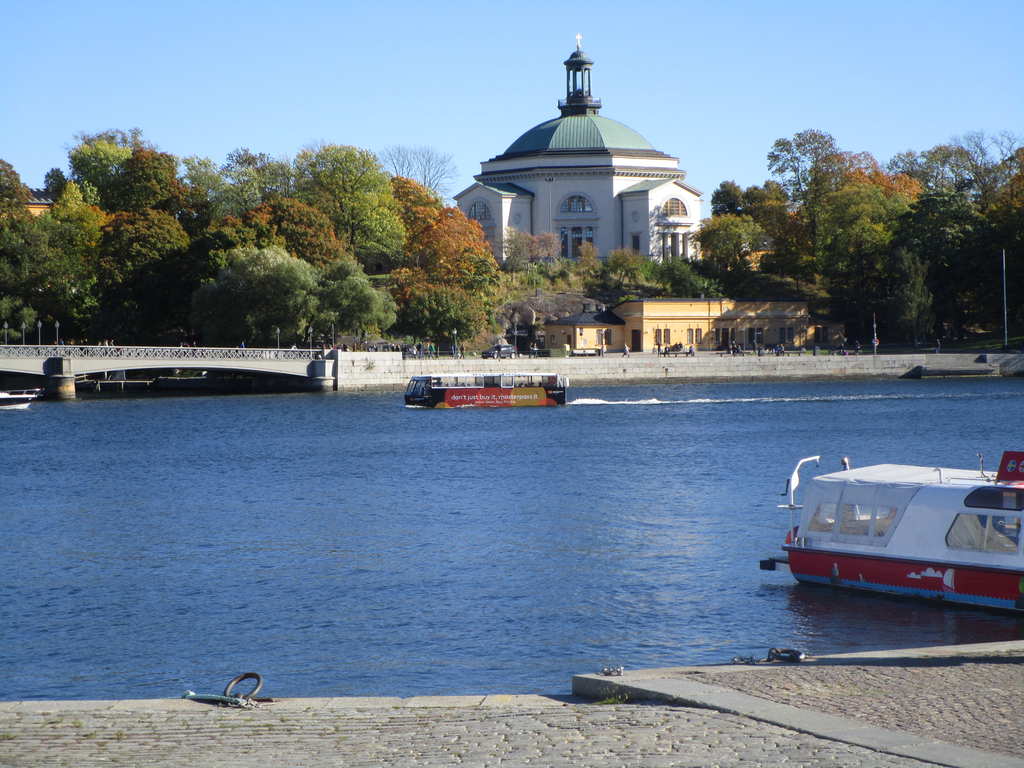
(156, 353)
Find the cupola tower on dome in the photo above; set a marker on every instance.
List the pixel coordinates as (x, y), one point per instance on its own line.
(578, 100)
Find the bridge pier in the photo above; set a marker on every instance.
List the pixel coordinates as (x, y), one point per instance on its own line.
(321, 375)
(60, 380)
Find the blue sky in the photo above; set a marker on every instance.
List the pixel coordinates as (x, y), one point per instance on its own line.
(713, 83)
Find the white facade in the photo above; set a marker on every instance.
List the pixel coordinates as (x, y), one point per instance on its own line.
(586, 178)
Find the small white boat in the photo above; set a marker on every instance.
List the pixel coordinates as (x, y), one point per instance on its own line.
(928, 532)
(18, 400)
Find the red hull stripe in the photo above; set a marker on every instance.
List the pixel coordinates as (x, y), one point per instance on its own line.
(972, 585)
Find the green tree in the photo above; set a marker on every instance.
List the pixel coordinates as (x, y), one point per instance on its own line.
(252, 178)
(13, 194)
(728, 198)
(348, 185)
(727, 243)
(350, 303)
(947, 232)
(624, 264)
(911, 302)
(681, 280)
(144, 277)
(259, 290)
(96, 163)
(856, 228)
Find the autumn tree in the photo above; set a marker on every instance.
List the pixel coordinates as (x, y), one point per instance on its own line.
(518, 250)
(146, 179)
(453, 288)
(418, 209)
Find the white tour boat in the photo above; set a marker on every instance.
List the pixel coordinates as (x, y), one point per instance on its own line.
(930, 532)
(19, 399)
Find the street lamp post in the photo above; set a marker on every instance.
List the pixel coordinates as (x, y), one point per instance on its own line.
(278, 332)
(455, 342)
(23, 332)
(311, 338)
(5, 333)
(56, 331)
(39, 333)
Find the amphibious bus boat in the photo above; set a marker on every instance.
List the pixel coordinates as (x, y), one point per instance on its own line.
(928, 532)
(487, 390)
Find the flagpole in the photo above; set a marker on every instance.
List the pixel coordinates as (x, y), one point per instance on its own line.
(1006, 330)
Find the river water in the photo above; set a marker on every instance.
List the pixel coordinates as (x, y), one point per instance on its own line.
(342, 544)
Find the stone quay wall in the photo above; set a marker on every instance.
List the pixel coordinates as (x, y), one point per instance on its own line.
(387, 370)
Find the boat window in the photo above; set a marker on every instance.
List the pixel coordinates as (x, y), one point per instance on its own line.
(824, 517)
(855, 520)
(984, 533)
(995, 498)
(884, 517)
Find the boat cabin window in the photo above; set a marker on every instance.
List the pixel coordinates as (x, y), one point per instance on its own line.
(824, 519)
(884, 518)
(995, 498)
(855, 520)
(984, 533)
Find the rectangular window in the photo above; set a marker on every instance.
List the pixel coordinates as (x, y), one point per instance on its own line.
(700, 334)
(564, 234)
(855, 520)
(984, 533)
(657, 336)
(689, 335)
(884, 517)
(577, 241)
(675, 245)
(995, 498)
(588, 234)
(667, 337)
(824, 519)
(636, 243)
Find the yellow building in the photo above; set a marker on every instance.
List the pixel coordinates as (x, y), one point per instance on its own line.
(651, 324)
(38, 202)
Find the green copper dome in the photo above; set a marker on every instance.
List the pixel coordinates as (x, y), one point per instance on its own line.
(578, 132)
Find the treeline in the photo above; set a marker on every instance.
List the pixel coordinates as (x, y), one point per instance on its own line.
(141, 246)
(916, 243)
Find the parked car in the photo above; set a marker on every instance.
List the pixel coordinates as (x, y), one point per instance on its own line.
(499, 351)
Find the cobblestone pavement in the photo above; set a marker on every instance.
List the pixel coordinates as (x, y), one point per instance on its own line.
(523, 731)
(970, 701)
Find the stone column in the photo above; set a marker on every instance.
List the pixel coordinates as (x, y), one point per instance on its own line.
(60, 379)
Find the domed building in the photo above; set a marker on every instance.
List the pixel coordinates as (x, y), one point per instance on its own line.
(587, 179)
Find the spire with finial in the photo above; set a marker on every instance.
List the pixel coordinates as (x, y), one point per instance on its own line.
(578, 100)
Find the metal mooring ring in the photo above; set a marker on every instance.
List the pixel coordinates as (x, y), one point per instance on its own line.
(245, 676)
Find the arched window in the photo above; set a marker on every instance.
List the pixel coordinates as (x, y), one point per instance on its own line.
(480, 211)
(576, 204)
(673, 207)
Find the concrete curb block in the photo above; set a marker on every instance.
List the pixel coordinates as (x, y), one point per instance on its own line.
(672, 685)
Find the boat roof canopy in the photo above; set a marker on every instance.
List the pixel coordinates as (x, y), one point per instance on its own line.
(903, 475)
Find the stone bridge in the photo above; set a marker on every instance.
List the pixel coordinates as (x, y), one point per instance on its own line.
(60, 364)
